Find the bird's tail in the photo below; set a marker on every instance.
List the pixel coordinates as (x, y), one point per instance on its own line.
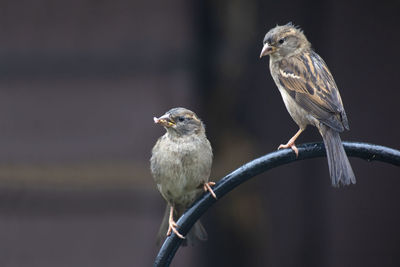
(195, 234)
(162, 233)
(339, 165)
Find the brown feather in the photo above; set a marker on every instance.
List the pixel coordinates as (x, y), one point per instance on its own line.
(308, 80)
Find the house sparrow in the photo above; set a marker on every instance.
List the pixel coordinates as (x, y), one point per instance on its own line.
(181, 165)
(310, 95)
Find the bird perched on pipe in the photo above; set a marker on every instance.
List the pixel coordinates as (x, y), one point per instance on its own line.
(181, 165)
(310, 95)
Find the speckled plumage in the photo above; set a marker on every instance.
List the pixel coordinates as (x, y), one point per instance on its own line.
(181, 164)
(310, 94)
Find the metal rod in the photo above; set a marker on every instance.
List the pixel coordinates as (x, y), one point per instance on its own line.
(366, 151)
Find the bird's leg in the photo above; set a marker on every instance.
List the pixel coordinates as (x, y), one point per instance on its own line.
(290, 143)
(173, 225)
(207, 187)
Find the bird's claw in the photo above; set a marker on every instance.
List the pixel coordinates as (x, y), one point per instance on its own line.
(292, 146)
(172, 228)
(172, 225)
(207, 187)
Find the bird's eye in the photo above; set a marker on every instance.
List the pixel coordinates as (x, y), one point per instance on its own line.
(281, 41)
(181, 119)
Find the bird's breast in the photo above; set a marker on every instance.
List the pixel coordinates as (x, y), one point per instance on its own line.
(180, 169)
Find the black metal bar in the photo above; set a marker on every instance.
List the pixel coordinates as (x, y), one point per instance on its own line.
(369, 152)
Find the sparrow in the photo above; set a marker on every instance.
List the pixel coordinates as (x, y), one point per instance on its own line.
(181, 164)
(310, 95)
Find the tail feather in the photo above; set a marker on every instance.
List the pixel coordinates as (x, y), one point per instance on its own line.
(339, 166)
(196, 234)
(162, 233)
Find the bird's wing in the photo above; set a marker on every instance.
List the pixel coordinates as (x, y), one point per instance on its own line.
(308, 80)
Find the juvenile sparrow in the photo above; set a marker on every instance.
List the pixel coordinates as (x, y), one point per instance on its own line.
(310, 95)
(181, 165)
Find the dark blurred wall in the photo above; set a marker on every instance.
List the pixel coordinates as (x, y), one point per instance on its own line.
(297, 218)
(81, 80)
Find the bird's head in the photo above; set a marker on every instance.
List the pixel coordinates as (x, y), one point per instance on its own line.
(181, 122)
(283, 41)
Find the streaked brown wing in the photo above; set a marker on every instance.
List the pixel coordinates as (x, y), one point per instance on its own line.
(308, 80)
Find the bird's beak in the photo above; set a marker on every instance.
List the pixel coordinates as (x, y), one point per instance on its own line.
(165, 120)
(267, 49)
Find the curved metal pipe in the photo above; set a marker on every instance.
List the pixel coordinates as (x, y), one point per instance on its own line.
(366, 151)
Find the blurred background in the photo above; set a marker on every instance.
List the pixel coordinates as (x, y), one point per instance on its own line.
(81, 80)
